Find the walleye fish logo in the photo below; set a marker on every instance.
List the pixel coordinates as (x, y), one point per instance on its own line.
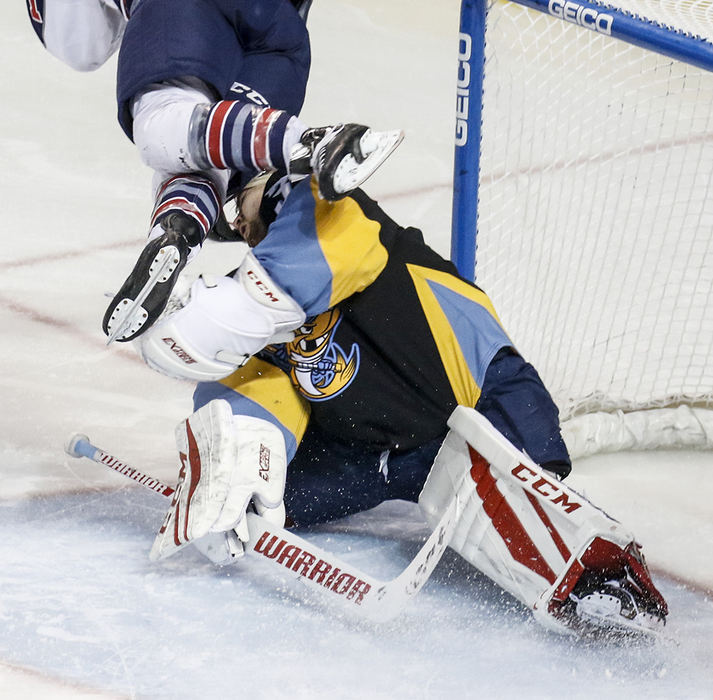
(319, 367)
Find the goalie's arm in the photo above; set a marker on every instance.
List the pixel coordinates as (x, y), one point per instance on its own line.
(322, 252)
(261, 390)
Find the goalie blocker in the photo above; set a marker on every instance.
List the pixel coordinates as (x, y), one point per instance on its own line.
(576, 568)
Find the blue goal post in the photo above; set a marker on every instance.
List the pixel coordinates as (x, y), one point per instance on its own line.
(591, 16)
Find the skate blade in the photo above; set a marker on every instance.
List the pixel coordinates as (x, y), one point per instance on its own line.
(643, 626)
(129, 315)
(378, 145)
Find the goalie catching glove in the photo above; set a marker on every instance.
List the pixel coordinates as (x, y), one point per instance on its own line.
(227, 463)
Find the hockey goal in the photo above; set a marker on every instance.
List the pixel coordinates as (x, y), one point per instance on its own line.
(590, 159)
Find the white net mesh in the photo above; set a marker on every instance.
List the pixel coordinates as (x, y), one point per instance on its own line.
(690, 16)
(596, 209)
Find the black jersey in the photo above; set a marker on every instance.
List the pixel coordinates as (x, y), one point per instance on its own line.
(387, 364)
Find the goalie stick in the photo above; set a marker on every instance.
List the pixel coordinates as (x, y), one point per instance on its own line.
(321, 571)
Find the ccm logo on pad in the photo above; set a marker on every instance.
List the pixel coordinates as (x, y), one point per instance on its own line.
(545, 488)
(262, 286)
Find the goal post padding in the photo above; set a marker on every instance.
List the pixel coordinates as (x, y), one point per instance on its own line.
(588, 167)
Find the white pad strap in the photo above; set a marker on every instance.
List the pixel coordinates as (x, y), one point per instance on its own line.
(220, 325)
(227, 463)
(521, 526)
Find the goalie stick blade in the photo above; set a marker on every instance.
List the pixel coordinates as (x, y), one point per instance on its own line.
(368, 597)
(336, 581)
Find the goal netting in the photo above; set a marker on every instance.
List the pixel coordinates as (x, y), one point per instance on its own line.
(595, 209)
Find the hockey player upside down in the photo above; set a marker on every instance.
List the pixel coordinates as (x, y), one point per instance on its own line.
(207, 109)
(331, 365)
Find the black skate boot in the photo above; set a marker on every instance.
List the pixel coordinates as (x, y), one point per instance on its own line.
(600, 605)
(144, 294)
(342, 157)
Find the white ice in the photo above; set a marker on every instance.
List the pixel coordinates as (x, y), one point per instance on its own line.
(83, 613)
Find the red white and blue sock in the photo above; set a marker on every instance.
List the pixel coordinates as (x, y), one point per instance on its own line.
(193, 195)
(246, 137)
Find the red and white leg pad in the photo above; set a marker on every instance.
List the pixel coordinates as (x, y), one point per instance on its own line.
(567, 560)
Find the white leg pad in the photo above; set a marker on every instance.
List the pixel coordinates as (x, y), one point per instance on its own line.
(526, 530)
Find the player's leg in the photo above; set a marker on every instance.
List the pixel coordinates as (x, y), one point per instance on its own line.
(177, 131)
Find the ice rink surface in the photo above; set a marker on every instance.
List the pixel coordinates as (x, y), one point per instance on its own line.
(83, 613)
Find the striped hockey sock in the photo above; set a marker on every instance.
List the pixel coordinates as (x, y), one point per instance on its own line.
(195, 196)
(242, 136)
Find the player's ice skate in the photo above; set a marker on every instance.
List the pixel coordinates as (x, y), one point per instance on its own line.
(342, 157)
(144, 294)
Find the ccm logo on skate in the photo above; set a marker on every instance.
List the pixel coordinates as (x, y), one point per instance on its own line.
(307, 565)
(179, 351)
(544, 487)
(262, 287)
(586, 17)
(465, 49)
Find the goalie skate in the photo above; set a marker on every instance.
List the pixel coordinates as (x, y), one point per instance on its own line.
(617, 607)
(342, 157)
(146, 291)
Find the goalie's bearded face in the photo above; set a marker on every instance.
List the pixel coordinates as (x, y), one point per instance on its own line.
(248, 222)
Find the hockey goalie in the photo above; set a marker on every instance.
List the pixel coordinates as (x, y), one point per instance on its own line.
(357, 364)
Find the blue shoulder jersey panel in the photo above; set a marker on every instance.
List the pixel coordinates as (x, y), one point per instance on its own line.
(476, 328)
(321, 252)
(261, 390)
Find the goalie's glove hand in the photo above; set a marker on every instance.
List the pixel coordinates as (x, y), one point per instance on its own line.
(228, 462)
(222, 548)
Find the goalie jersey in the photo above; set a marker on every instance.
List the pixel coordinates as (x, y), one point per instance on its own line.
(374, 293)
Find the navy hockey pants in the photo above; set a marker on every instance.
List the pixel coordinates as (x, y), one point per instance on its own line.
(327, 479)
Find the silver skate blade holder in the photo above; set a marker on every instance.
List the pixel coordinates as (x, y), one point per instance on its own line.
(129, 315)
